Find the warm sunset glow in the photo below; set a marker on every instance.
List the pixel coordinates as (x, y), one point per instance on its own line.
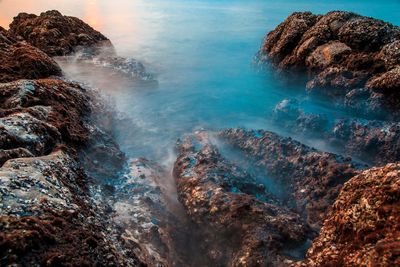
(92, 13)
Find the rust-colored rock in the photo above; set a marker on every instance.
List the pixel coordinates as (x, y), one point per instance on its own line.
(241, 224)
(312, 178)
(362, 227)
(19, 60)
(387, 83)
(340, 51)
(373, 141)
(61, 105)
(47, 213)
(56, 34)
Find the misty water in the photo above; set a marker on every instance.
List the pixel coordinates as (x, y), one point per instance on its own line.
(200, 54)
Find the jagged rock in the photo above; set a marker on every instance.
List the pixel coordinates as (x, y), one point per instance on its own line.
(327, 54)
(19, 60)
(340, 51)
(238, 228)
(373, 141)
(335, 81)
(313, 178)
(62, 105)
(390, 54)
(369, 104)
(367, 34)
(362, 227)
(280, 42)
(386, 83)
(47, 217)
(21, 130)
(6, 154)
(57, 35)
(288, 114)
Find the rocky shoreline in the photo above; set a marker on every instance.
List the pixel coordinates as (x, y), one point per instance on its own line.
(70, 197)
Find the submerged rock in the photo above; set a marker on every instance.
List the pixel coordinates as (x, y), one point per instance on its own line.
(373, 141)
(57, 35)
(362, 227)
(238, 228)
(19, 60)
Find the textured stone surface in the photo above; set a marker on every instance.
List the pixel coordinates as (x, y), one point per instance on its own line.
(48, 215)
(241, 223)
(373, 141)
(362, 227)
(340, 51)
(19, 60)
(56, 34)
(312, 178)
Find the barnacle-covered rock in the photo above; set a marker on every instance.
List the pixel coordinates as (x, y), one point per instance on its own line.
(362, 227)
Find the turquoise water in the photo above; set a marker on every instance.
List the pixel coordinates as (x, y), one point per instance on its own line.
(201, 54)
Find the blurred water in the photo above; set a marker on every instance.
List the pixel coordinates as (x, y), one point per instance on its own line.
(201, 53)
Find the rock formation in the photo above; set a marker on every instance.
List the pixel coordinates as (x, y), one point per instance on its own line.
(20, 60)
(373, 141)
(341, 51)
(55, 34)
(242, 225)
(362, 227)
(312, 178)
(68, 196)
(47, 214)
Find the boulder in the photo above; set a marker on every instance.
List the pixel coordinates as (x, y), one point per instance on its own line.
(340, 51)
(373, 141)
(57, 35)
(327, 54)
(387, 83)
(362, 227)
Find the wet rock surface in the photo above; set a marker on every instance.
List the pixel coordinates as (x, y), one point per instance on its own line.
(55, 34)
(312, 178)
(68, 39)
(362, 227)
(372, 141)
(48, 213)
(340, 51)
(239, 228)
(47, 216)
(69, 196)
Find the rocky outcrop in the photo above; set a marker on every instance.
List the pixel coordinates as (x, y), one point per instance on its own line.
(58, 160)
(362, 227)
(241, 223)
(64, 38)
(47, 214)
(312, 178)
(20, 60)
(47, 217)
(340, 51)
(40, 114)
(57, 35)
(375, 142)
